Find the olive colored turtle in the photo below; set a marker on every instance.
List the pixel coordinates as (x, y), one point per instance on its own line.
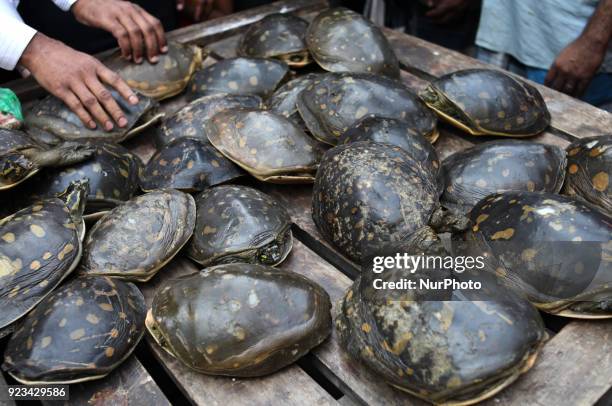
(256, 76)
(283, 100)
(553, 249)
(135, 240)
(268, 146)
(240, 224)
(189, 120)
(166, 78)
(241, 320)
(336, 102)
(279, 36)
(341, 40)
(39, 246)
(488, 102)
(21, 157)
(52, 115)
(589, 171)
(81, 332)
(501, 166)
(368, 194)
(188, 164)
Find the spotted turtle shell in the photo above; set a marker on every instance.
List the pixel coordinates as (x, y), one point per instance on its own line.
(341, 40)
(268, 146)
(501, 166)
(283, 100)
(278, 36)
(336, 102)
(188, 164)
(135, 240)
(166, 78)
(589, 171)
(81, 332)
(240, 320)
(234, 222)
(488, 102)
(189, 120)
(255, 76)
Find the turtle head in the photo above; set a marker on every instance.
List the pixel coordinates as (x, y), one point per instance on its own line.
(14, 167)
(75, 197)
(273, 253)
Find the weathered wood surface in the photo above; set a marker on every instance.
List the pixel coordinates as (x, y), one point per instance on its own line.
(3, 392)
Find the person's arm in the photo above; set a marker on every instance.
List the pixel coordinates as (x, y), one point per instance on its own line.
(15, 36)
(577, 63)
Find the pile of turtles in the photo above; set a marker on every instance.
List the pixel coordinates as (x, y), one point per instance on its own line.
(86, 220)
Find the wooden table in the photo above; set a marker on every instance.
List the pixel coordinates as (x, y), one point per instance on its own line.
(574, 368)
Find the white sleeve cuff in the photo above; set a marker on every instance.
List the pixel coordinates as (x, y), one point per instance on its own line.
(15, 37)
(64, 4)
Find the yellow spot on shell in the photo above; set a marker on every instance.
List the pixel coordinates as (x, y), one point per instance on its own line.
(77, 334)
(109, 352)
(35, 265)
(361, 111)
(114, 333)
(46, 341)
(573, 151)
(501, 114)
(233, 85)
(530, 186)
(123, 173)
(107, 307)
(9, 237)
(366, 328)
(481, 218)
(29, 343)
(190, 164)
(601, 181)
(573, 168)
(253, 81)
(504, 234)
(209, 230)
(595, 152)
(47, 255)
(37, 230)
(92, 318)
(528, 254)
(62, 322)
(68, 248)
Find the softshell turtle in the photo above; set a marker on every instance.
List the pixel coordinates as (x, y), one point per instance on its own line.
(279, 36)
(21, 157)
(553, 249)
(283, 100)
(189, 120)
(81, 332)
(166, 78)
(500, 166)
(256, 76)
(268, 146)
(242, 320)
(334, 103)
(589, 171)
(341, 40)
(240, 224)
(135, 240)
(367, 194)
(188, 164)
(52, 115)
(488, 102)
(39, 246)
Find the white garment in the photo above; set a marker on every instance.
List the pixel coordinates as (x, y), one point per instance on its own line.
(15, 35)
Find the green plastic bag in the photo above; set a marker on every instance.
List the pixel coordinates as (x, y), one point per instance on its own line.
(10, 110)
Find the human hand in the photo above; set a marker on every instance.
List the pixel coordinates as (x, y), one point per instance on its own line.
(443, 11)
(197, 10)
(129, 24)
(78, 80)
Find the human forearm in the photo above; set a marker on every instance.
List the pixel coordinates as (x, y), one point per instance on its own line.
(15, 35)
(598, 31)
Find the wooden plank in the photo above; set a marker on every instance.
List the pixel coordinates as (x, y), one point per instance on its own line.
(292, 384)
(4, 393)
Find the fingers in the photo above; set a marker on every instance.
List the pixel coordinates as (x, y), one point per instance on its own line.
(134, 34)
(153, 28)
(582, 87)
(91, 104)
(550, 76)
(74, 104)
(106, 99)
(150, 37)
(114, 80)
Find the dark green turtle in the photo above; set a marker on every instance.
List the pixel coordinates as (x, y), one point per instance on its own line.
(553, 249)
(488, 102)
(52, 115)
(336, 102)
(500, 166)
(39, 246)
(188, 164)
(240, 224)
(21, 157)
(589, 171)
(166, 78)
(135, 240)
(189, 120)
(367, 194)
(256, 76)
(81, 332)
(241, 320)
(268, 146)
(283, 100)
(279, 36)
(341, 40)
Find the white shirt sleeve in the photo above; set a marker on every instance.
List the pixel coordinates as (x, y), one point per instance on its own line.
(64, 4)
(15, 35)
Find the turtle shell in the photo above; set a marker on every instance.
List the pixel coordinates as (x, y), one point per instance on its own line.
(336, 102)
(255, 76)
(283, 100)
(341, 40)
(554, 249)
(240, 224)
(189, 120)
(135, 240)
(488, 102)
(268, 146)
(500, 166)
(589, 171)
(166, 78)
(39, 246)
(81, 332)
(52, 115)
(240, 320)
(188, 164)
(279, 36)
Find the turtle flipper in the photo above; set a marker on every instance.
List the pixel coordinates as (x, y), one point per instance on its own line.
(67, 153)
